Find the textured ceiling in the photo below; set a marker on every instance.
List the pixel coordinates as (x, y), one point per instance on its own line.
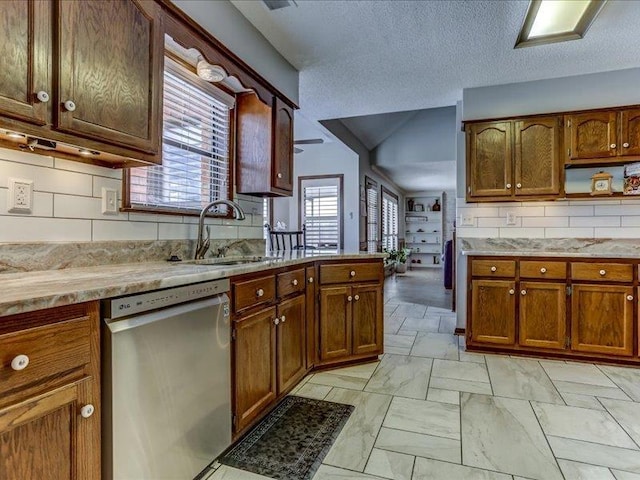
(367, 57)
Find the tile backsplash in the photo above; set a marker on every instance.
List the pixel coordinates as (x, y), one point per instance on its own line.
(67, 206)
(595, 218)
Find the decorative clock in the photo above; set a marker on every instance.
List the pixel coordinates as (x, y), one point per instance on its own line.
(601, 184)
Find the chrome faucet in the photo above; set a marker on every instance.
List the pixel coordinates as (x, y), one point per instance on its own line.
(203, 243)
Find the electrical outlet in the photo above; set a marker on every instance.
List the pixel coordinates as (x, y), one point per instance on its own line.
(20, 196)
(511, 218)
(109, 201)
(466, 221)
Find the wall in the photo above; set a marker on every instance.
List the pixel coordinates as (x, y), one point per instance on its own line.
(67, 207)
(576, 218)
(325, 159)
(337, 128)
(229, 26)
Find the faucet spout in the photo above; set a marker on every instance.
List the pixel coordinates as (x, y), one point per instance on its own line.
(203, 244)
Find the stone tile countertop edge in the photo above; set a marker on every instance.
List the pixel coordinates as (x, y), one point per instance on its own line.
(26, 292)
(551, 247)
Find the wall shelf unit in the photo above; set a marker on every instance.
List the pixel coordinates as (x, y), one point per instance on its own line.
(424, 229)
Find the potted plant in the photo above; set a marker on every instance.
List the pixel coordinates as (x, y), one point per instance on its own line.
(399, 257)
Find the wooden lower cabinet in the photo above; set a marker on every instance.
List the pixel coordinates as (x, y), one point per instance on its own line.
(254, 365)
(602, 319)
(43, 432)
(335, 323)
(367, 320)
(311, 310)
(493, 312)
(543, 315)
(291, 356)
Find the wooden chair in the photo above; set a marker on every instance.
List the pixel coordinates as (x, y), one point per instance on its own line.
(286, 240)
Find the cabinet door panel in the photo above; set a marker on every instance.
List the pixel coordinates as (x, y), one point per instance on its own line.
(602, 319)
(291, 342)
(493, 312)
(335, 323)
(254, 363)
(543, 315)
(311, 311)
(489, 169)
(282, 146)
(537, 156)
(593, 134)
(630, 132)
(25, 38)
(367, 320)
(113, 79)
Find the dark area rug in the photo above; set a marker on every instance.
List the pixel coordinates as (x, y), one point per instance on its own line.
(291, 442)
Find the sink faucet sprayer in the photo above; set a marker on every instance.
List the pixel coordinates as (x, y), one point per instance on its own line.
(203, 244)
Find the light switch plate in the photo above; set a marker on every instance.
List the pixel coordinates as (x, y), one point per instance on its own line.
(20, 196)
(511, 218)
(466, 221)
(109, 201)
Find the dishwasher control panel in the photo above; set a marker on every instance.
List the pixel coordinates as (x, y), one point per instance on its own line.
(144, 302)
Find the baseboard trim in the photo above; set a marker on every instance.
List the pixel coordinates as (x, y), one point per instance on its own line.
(459, 331)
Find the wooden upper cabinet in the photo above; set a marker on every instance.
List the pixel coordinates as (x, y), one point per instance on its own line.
(543, 315)
(264, 153)
(592, 135)
(489, 163)
(537, 159)
(493, 312)
(112, 80)
(602, 319)
(282, 145)
(25, 40)
(630, 132)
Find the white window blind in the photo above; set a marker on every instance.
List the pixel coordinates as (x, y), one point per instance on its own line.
(322, 213)
(372, 217)
(195, 147)
(389, 221)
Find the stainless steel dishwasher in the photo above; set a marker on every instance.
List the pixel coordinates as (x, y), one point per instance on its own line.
(166, 382)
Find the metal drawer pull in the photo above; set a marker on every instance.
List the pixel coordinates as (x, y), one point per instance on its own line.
(87, 411)
(295, 283)
(603, 272)
(523, 292)
(70, 106)
(20, 362)
(625, 145)
(349, 298)
(310, 279)
(357, 297)
(493, 269)
(352, 273)
(42, 96)
(613, 145)
(283, 319)
(276, 321)
(260, 292)
(543, 270)
(629, 297)
(512, 291)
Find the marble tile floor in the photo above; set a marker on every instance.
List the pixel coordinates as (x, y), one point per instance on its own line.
(428, 410)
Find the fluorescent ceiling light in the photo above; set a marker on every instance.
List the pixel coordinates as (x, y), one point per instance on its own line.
(551, 21)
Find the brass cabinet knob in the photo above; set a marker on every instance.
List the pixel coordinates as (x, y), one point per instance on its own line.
(518, 185)
(494, 268)
(279, 175)
(625, 144)
(352, 273)
(20, 362)
(603, 272)
(523, 292)
(349, 298)
(508, 185)
(613, 145)
(512, 291)
(543, 270)
(295, 283)
(259, 292)
(630, 297)
(276, 321)
(283, 319)
(87, 411)
(42, 96)
(310, 279)
(357, 297)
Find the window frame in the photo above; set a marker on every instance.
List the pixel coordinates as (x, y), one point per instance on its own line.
(301, 206)
(385, 191)
(127, 206)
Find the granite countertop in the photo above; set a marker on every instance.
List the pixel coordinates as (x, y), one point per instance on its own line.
(29, 291)
(552, 247)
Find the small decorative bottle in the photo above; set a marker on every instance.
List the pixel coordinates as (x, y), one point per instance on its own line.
(410, 203)
(436, 206)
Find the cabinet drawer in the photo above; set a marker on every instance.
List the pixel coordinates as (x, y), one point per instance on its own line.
(290, 282)
(350, 273)
(543, 269)
(493, 268)
(604, 272)
(50, 349)
(253, 292)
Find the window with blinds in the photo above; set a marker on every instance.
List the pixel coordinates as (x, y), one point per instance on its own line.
(389, 220)
(372, 215)
(195, 148)
(322, 212)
